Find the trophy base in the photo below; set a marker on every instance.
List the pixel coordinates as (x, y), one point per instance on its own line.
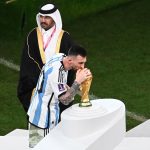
(85, 104)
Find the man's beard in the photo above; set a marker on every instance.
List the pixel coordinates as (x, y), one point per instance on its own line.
(44, 26)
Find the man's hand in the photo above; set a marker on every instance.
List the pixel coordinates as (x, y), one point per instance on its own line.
(82, 75)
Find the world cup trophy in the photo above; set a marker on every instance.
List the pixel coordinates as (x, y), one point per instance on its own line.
(84, 88)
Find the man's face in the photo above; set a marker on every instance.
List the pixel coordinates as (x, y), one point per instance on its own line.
(46, 22)
(78, 62)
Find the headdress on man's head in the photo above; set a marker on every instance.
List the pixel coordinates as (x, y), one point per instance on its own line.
(52, 11)
(47, 9)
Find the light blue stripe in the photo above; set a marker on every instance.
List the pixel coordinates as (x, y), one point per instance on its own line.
(38, 110)
(40, 97)
(48, 120)
(53, 60)
(57, 113)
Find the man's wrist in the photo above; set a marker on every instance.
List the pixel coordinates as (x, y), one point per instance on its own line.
(75, 85)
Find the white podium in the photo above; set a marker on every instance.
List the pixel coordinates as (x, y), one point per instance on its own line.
(101, 126)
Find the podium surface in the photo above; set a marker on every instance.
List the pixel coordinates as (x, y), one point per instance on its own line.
(88, 128)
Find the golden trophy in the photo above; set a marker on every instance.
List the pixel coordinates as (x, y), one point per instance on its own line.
(85, 87)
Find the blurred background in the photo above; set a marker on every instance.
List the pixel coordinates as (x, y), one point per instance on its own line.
(116, 34)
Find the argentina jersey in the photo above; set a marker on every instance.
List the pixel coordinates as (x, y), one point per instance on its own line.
(44, 108)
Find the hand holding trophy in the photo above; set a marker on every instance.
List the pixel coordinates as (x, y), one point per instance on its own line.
(84, 78)
(84, 88)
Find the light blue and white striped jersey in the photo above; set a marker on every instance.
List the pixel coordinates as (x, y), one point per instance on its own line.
(44, 108)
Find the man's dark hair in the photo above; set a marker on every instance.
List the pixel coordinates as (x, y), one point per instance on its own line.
(77, 50)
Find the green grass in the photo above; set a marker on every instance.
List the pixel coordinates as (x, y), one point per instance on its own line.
(11, 114)
(118, 44)
(130, 123)
(70, 10)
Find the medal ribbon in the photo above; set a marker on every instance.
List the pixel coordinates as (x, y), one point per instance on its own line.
(49, 39)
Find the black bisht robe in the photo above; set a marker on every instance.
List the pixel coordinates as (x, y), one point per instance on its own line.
(31, 63)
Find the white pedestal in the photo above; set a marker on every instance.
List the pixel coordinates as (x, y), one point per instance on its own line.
(15, 140)
(14, 143)
(141, 130)
(134, 143)
(19, 132)
(101, 126)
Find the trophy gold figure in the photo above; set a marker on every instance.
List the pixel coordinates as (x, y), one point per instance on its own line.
(85, 87)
